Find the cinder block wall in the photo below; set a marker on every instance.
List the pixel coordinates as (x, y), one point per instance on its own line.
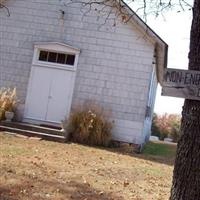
(114, 66)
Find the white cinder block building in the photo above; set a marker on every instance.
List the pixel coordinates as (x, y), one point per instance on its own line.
(57, 59)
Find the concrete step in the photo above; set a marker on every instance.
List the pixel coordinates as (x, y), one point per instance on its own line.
(32, 127)
(45, 136)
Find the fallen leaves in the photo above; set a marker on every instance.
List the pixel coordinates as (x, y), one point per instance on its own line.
(126, 183)
(71, 171)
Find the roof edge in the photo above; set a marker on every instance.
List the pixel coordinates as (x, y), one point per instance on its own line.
(151, 33)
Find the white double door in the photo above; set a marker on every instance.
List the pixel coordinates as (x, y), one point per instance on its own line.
(49, 95)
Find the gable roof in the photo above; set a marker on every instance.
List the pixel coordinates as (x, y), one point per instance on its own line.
(161, 47)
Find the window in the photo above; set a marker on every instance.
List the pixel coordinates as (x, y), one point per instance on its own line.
(60, 58)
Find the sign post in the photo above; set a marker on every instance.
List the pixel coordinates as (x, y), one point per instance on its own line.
(181, 83)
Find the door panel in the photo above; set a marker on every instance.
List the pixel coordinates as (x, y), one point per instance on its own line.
(38, 95)
(59, 96)
(50, 94)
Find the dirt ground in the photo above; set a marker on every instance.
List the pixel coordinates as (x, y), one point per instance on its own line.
(42, 170)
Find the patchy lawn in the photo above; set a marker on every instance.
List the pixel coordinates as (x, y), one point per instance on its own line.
(160, 149)
(38, 170)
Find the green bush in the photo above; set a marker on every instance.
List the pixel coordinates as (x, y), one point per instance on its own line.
(89, 124)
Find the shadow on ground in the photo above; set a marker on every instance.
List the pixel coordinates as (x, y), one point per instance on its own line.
(64, 191)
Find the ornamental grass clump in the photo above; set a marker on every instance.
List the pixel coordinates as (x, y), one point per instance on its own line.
(8, 101)
(89, 125)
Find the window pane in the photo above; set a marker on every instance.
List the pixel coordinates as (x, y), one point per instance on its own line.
(52, 57)
(70, 59)
(61, 58)
(43, 55)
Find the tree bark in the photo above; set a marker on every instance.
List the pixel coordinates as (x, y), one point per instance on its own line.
(186, 177)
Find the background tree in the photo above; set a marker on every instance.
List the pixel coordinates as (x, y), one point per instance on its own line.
(154, 128)
(166, 125)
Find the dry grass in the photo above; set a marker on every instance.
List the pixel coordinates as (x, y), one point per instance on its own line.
(89, 124)
(41, 170)
(8, 101)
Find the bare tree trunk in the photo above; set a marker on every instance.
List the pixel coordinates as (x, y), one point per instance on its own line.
(186, 178)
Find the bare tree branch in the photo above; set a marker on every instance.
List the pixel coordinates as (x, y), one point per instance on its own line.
(112, 10)
(5, 7)
(105, 8)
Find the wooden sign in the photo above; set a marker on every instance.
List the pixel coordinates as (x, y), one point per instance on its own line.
(181, 83)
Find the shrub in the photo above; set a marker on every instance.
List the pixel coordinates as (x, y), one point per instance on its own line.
(90, 125)
(8, 101)
(154, 128)
(167, 125)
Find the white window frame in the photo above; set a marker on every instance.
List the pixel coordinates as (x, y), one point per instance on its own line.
(57, 48)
